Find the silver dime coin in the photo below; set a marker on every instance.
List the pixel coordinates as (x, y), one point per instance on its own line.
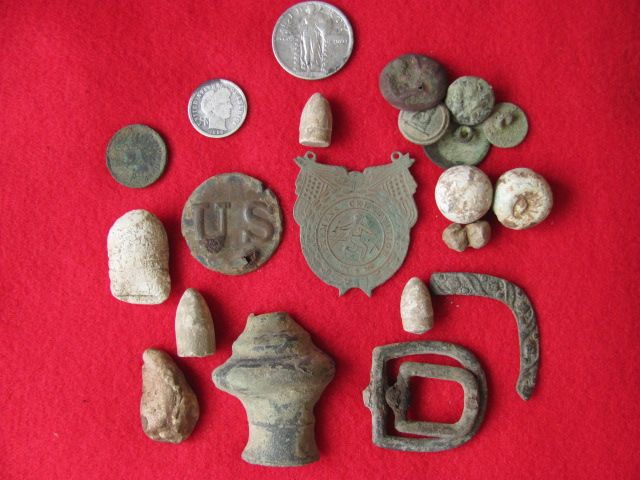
(217, 108)
(425, 127)
(136, 156)
(312, 40)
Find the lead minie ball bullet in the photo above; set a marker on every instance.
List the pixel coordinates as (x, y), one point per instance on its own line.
(316, 122)
(195, 335)
(416, 309)
(138, 252)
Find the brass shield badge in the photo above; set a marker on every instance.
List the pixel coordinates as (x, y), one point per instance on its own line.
(354, 226)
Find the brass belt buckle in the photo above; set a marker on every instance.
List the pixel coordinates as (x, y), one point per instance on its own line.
(379, 397)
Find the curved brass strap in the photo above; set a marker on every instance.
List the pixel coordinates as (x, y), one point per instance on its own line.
(481, 285)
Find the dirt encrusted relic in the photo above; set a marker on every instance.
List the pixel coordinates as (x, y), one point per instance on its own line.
(169, 409)
(232, 223)
(355, 226)
(278, 374)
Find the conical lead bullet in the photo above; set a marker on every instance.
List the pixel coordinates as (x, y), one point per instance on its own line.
(416, 309)
(316, 122)
(195, 336)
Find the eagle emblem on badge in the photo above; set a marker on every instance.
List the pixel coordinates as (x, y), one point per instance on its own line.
(354, 226)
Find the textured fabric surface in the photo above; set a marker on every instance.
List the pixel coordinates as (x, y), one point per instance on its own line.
(72, 73)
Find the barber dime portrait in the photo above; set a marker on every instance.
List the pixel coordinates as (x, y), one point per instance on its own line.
(217, 108)
(312, 40)
(354, 226)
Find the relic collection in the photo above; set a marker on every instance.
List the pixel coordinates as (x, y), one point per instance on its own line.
(355, 231)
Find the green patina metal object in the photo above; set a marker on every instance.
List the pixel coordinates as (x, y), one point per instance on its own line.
(354, 226)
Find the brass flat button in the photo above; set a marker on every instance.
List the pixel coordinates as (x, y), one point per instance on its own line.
(507, 126)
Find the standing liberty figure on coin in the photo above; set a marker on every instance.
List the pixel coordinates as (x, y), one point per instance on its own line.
(312, 39)
(216, 107)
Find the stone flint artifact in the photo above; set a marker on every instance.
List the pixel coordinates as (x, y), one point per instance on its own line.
(278, 374)
(138, 252)
(416, 309)
(169, 409)
(481, 285)
(316, 122)
(195, 336)
(136, 156)
(232, 223)
(413, 82)
(523, 199)
(354, 226)
(382, 398)
(312, 40)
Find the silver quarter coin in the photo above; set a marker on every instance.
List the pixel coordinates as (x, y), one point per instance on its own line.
(312, 40)
(217, 108)
(425, 127)
(136, 156)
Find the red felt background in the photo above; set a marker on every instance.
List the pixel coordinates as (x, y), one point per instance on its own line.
(71, 74)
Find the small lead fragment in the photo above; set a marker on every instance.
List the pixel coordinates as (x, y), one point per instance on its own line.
(416, 309)
(195, 335)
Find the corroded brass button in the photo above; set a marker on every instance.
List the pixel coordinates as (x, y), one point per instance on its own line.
(470, 100)
(424, 127)
(413, 82)
(460, 145)
(507, 126)
(232, 224)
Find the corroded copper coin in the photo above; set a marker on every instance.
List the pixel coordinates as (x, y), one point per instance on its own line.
(413, 82)
(136, 156)
(232, 224)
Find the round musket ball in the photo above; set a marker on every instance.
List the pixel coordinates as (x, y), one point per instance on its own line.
(463, 194)
(523, 199)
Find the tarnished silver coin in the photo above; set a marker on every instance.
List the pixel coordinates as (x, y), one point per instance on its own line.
(136, 156)
(507, 126)
(470, 100)
(425, 127)
(312, 40)
(232, 223)
(217, 108)
(460, 145)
